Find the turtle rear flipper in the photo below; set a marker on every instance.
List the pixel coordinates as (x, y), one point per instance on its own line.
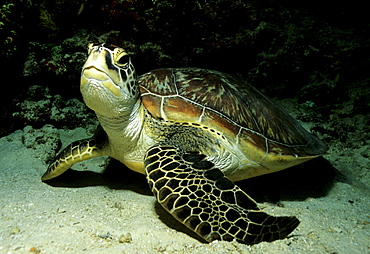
(76, 152)
(198, 194)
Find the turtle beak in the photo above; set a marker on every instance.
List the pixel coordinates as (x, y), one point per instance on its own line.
(95, 76)
(99, 70)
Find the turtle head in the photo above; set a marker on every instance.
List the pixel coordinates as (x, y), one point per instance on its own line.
(108, 81)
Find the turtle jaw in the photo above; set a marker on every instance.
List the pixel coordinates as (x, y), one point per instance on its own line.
(101, 93)
(93, 76)
(104, 98)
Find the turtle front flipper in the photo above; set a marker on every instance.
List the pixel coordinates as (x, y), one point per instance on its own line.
(199, 195)
(76, 152)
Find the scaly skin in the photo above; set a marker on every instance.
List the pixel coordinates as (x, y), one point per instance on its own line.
(198, 194)
(76, 152)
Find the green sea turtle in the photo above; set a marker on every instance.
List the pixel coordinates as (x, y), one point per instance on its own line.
(192, 132)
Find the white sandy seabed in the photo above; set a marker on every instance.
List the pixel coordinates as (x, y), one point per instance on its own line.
(102, 207)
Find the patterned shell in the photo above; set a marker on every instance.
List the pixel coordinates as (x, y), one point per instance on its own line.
(231, 107)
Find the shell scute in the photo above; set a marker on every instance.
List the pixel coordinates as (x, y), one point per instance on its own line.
(152, 104)
(159, 82)
(216, 121)
(255, 143)
(229, 106)
(176, 108)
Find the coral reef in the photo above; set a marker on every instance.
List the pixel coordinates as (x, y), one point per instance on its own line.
(285, 50)
(44, 108)
(45, 139)
(8, 29)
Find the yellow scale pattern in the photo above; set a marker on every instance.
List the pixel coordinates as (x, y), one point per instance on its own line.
(201, 197)
(76, 152)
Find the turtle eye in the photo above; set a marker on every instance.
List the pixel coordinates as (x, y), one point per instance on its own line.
(123, 61)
